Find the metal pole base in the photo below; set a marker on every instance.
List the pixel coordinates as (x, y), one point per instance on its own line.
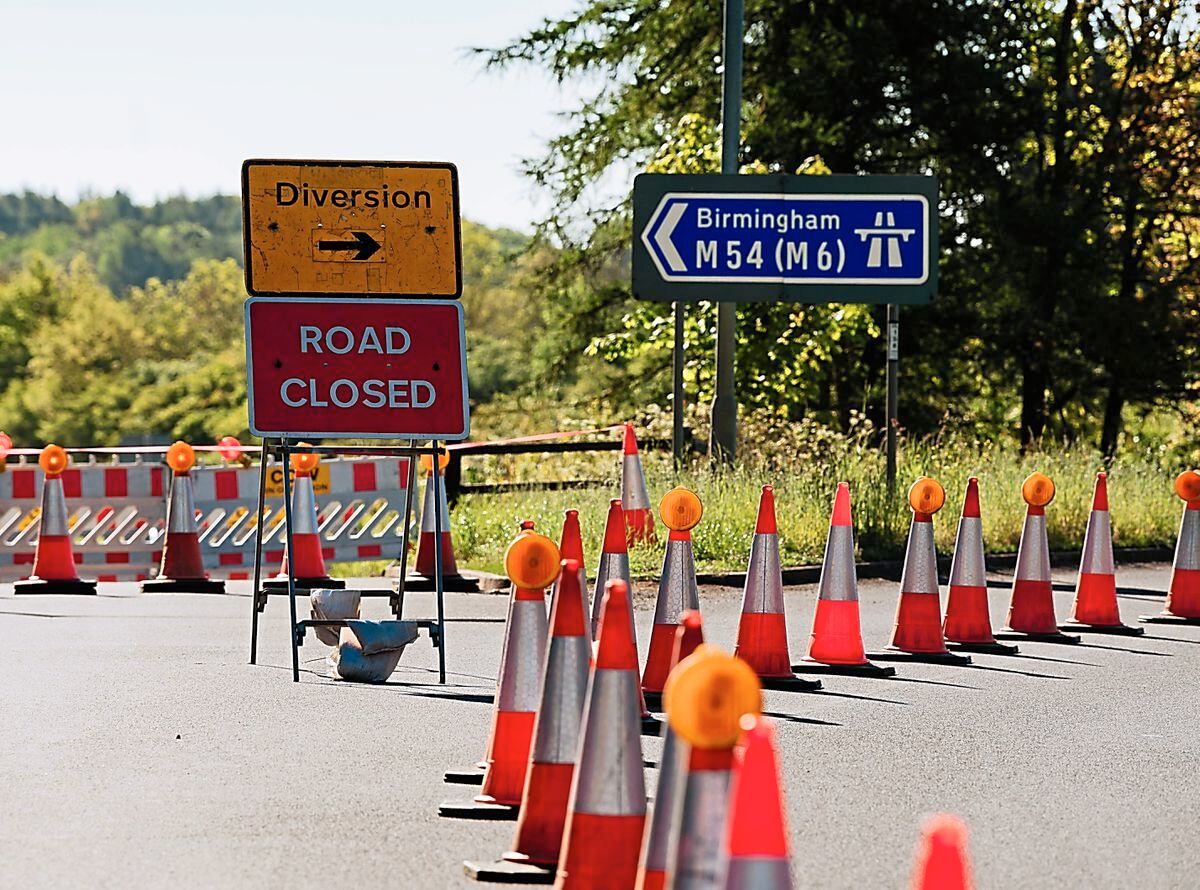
(790, 684)
(76, 587)
(866, 669)
(183, 585)
(992, 648)
(1120, 630)
(1066, 639)
(473, 809)
(281, 584)
(463, 777)
(1168, 618)
(893, 653)
(505, 872)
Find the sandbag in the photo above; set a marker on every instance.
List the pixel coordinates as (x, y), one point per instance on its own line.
(368, 651)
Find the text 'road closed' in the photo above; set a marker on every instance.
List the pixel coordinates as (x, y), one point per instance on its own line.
(379, 368)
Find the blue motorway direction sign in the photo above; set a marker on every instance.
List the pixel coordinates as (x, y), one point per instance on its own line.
(814, 239)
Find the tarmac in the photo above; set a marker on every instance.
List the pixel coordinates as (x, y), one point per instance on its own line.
(140, 749)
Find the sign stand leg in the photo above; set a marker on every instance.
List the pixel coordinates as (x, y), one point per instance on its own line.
(255, 591)
(893, 391)
(291, 555)
(409, 493)
(438, 505)
(677, 444)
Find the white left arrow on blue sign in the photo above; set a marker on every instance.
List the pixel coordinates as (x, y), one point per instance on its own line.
(662, 237)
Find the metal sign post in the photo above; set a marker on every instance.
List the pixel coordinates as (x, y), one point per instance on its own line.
(723, 433)
(893, 391)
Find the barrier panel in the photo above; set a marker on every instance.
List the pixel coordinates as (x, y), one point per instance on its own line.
(118, 513)
(116, 519)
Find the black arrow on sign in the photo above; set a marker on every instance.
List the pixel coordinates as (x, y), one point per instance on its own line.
(363, 243)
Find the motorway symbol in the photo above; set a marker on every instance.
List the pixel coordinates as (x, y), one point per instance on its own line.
(380, 228)
(866, 239)
(361, 243)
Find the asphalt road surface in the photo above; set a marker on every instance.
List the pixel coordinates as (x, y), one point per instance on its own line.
(140, 749)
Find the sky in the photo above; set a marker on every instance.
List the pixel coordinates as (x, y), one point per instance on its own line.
(167, 97)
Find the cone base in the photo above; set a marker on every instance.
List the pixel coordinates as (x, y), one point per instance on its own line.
(277, 584)
(894, 653)
(473, 809)
(1120, 630)
(651, 726)
(985, 648)
(508, 872)
(1066, 639)
(463, 777)
(1168, 618)
(866, 669)
(183, 585)
(73, 586)
(653, 700)
(790, 684)
(456, 583)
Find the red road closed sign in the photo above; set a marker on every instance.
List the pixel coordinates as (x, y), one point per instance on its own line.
(394, 369)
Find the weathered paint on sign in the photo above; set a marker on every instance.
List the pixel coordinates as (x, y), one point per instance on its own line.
(351, 227)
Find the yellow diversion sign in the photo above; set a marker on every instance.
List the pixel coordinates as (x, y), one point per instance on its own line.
(351, 227)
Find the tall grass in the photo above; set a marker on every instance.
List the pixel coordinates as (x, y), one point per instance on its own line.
(1145, 510)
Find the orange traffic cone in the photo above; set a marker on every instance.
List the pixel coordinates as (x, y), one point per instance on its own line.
(917, 635)
(756, 838)
(1031, 613)
(309, 562)
(639, 520)
(680, 510)
(570, 545)
(425, 570)
(708, 694)
(556, 733)
(1183, 599)
(532, 561)
(614, 565)
(762, 631)
(652, 866)
(607, 808)
(53, 560)
(836, 646)
(1096, 590)
(942, 862)
(968, 623)
(182, 568)
(474, 775)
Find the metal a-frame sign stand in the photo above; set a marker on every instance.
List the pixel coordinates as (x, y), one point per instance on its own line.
(401, 240)
(283, 449)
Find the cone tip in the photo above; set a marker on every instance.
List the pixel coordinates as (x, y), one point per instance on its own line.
(841, 505)
(629, 444)
(766, 524)
(971, 502)
(1100, 496)
(614, 528)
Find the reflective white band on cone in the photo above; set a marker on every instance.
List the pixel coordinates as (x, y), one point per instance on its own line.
(633, 484)
(1187, 546)
(612, 567)
(54, 509)
(182, 518)
(611, 781)
(1033, 553)
(524, 653)
(920, 560)
(967, 567)
(557, 740)
(764, 583)
(838, 575)
(677, 591)
(1097, 546)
